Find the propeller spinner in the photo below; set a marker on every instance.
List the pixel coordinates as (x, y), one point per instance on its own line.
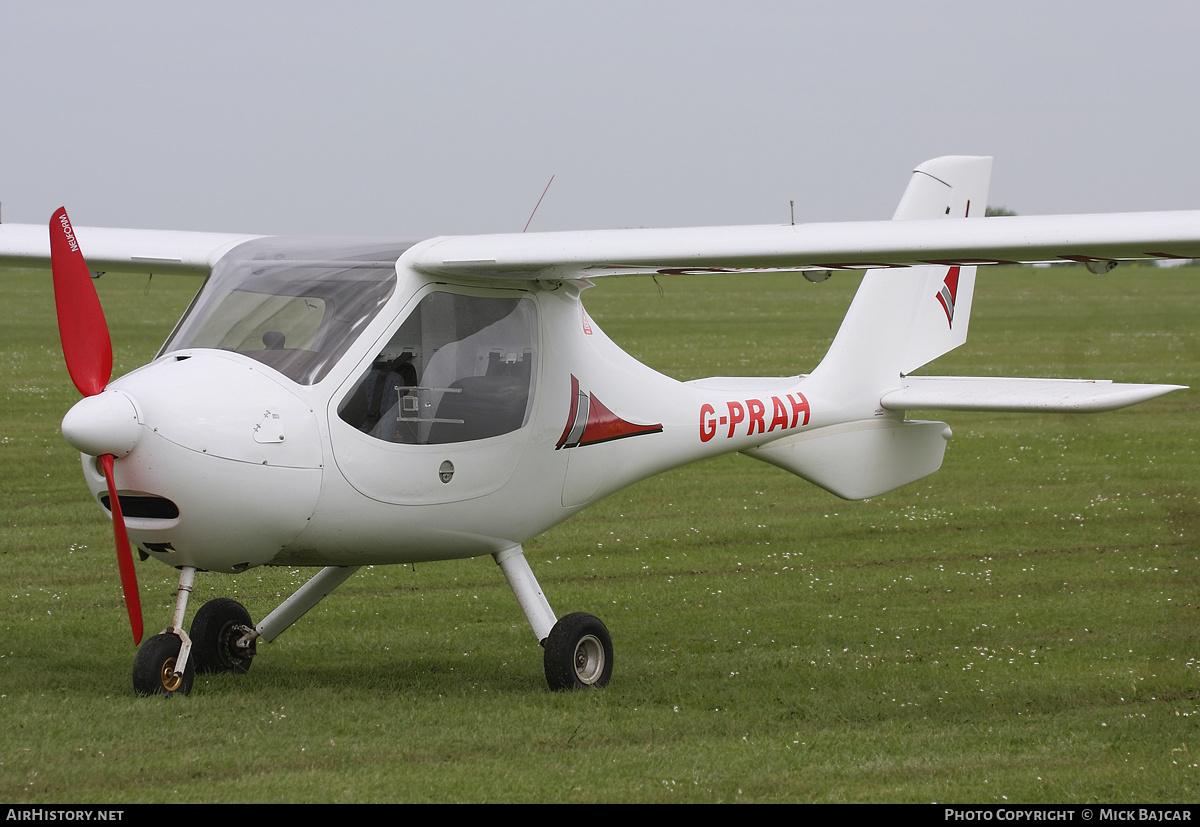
(87, 349)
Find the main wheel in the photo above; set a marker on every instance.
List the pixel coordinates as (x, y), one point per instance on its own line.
(154, 668)
(579, 653)
(215, 630)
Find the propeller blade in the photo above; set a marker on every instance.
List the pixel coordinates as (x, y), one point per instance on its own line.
(81, 326)
(87, 349)
(133, 600)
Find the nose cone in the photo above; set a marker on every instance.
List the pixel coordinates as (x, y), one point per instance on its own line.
(106, 423)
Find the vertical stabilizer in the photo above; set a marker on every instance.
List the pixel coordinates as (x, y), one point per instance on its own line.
(954, 186)
(901, 319)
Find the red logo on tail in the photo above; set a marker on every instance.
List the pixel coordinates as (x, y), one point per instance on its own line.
(949, 294)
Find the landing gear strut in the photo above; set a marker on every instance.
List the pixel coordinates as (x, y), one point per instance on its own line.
(163, 665)
(223, 637)
(578, 648)
(579, 652)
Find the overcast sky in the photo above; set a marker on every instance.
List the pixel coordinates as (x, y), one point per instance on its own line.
(437, 118)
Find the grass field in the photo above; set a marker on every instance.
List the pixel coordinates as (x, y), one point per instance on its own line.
(1020, 627)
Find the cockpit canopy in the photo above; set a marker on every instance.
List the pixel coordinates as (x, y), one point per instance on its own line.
(294, 304)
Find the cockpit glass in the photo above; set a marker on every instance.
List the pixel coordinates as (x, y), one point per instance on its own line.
(293, 304)
(459, 368)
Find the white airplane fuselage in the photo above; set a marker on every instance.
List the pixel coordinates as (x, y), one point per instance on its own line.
(264, 471)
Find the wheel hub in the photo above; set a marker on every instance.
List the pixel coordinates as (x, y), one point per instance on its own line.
(170, 680)
(589, 659)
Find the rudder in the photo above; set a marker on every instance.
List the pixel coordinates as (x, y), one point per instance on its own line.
(901, 319)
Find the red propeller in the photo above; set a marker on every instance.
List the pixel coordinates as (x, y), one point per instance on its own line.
(88, 352)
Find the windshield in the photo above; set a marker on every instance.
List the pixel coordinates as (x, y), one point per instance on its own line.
(294, 304)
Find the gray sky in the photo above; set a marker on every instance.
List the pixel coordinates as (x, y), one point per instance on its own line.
(422, 119)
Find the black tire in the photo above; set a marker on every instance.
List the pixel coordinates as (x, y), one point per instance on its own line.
(154, 668)
(215, 628)
(579, 653)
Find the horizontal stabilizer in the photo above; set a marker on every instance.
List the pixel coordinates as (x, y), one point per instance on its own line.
(983, 393)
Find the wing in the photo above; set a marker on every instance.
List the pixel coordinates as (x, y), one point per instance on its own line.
(865, 245)
(129, 251)
(862, 245)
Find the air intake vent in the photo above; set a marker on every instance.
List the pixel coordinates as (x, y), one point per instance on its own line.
(143, 507)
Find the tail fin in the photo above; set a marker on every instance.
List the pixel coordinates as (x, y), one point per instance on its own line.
(901, 319)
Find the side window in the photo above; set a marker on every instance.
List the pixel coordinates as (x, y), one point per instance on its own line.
(459, 368)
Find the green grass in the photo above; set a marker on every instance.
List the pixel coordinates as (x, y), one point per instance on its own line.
(1020, 627)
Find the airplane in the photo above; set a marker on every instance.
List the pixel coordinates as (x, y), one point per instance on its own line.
(344, 402)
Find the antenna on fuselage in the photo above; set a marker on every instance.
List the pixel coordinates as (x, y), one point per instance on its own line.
(539, 203)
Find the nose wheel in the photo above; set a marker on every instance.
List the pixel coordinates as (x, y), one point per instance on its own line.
(222, 639)
(154, 668)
